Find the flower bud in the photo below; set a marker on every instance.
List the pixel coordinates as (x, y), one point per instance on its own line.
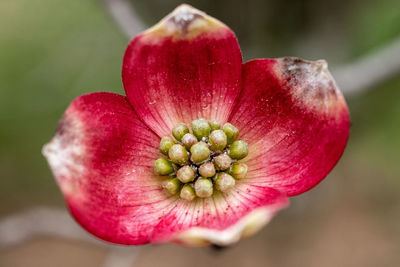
(163, 166)
(179, 131)
(231, 132)
(178, 154)
(188, 140)
(224, 182)
(200, 152)
(218, 140)
(222, 162)
(186, 174)
(187, 192)
(238, 150)
(203, 187)
(165, 144)
(172, 185)
(214, 125)
(238, 170)
(200, 128)
(207, 170)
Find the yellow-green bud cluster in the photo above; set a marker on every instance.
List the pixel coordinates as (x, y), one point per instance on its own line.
(201, 160)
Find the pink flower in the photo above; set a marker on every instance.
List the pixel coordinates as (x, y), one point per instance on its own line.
(189, 66)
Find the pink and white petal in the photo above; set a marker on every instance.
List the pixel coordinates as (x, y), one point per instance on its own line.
(187, 66)
(102, 157)
(222, 219)
(296, 122)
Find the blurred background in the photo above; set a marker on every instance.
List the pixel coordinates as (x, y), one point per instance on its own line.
(52, 51)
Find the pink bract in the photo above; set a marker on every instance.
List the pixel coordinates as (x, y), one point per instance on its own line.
(189, 66)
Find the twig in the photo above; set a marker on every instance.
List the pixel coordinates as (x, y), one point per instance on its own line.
(122, 257)
(124, 14)
(19, 227)
(370, 70)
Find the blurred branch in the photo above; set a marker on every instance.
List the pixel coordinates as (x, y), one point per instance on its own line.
(124, 14)
(370, 70)
(122, 257)
(22, 226)
(17, 228)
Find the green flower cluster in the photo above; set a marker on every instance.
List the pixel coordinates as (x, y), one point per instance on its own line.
(201, 161)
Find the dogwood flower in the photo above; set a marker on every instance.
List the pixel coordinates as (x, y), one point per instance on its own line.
(203, 149)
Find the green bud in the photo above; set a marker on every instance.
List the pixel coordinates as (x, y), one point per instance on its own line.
(179, 131)
(203, 187)
(200, 152)
(231, 132)
(238, 170)
(165, 144)
(200, 128)
(222, 162)
(188, 140)
(238, 150)
(207, 170)
(163, 166)
(178, 154)
(187, 192)
(214, 125)
(224, 182)
(172, 185)
(218, 140)
(186, 174)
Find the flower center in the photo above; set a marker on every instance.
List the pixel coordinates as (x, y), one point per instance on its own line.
(201, 161)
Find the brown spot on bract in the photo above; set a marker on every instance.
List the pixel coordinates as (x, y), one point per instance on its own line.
(183, 20)
(311, 83)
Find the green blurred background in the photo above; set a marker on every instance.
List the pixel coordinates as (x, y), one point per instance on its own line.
(52, 51)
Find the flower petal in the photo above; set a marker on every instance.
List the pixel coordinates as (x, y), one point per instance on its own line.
(222, 219)
(187, 66)
(295, 120)
(102, 157)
